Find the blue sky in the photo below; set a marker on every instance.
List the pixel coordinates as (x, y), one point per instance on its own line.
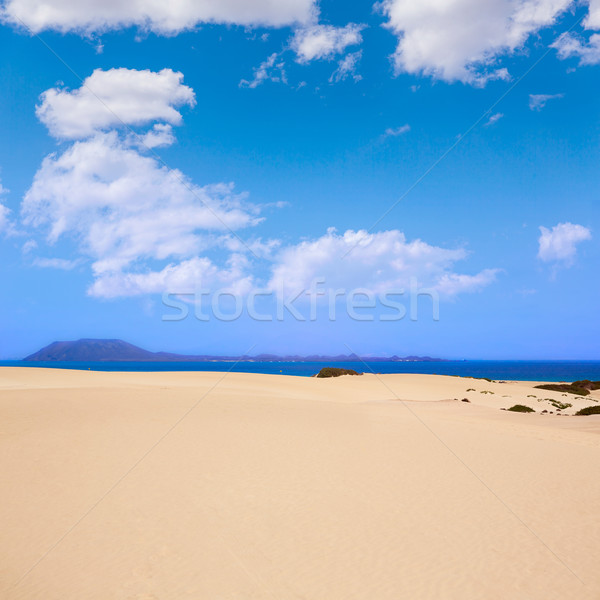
(217, 147)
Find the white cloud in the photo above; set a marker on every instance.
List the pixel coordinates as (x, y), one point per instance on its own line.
(271, 69)
(314, 42)
(572, 45)
(146, 228)
(347, 68)
(29, 246)
(451, 284)
(188, 276)
(324, 42)
(382, 262)
(168, 18)
(592, 20)
(160, 135)
(112, 98)
(6, 225)
(559, 244)
(396, 131)
(539, 101)
(461, 40)
(569, 45)
(124, 209)
(126, 213)
(378, 262)
(63, 264)
(493, 119)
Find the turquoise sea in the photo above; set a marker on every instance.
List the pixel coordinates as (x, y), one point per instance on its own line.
(493, 369)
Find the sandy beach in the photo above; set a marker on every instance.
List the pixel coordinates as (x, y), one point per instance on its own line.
(155, 486)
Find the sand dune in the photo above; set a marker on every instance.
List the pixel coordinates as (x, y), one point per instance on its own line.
(211, 486)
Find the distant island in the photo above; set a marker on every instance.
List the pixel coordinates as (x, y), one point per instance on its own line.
(90, 350)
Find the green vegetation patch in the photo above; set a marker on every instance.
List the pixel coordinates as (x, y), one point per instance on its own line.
(521, 408)
(579, 388)
(560, 405)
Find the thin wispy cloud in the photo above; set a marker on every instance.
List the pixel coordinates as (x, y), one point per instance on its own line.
(347, 68)
(6, 224)
(272, 69)
(396, 131)
(62, 264)
(493, 119)
(539, 101)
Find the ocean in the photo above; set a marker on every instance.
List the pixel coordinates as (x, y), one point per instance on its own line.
(492, 369)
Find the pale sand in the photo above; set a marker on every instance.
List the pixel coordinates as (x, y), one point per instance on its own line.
(282, 487)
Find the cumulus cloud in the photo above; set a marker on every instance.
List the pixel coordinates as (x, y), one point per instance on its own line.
(572, 45)
(160, 135)
(272, 69)
(569, 45)
(559, 244)
(145, 228)
(324, 42)
(123, 208)
(126, 213)
(539, 101)
(167, 18)
(461, 40)
(113, 98)
(185, 277)
(379, 262)
(592, 20)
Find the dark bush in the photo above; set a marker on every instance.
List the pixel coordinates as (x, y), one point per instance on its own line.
(587, 384)
(569, 388)
(465, 400)
(589, 410)
(521, 408)
(335, 372)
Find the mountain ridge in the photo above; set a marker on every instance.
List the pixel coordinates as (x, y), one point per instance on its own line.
(108, 350)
